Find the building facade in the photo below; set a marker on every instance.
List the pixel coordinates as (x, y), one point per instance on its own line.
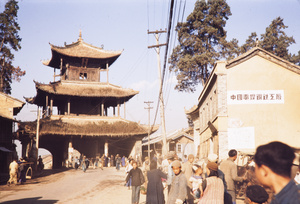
(248, 101)
(179, 141)
(9, 107)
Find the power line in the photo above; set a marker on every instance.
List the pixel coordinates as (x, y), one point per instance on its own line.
(149, 128)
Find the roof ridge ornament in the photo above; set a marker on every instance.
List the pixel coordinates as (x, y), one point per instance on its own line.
(257, 43)
(80, 36)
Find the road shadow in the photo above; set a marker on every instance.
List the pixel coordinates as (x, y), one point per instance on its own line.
(37, 175)
(30, 201)
(47, 172)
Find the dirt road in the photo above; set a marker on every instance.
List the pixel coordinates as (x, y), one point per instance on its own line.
(72, 186)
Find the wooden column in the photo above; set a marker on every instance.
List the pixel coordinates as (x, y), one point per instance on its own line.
(69, 107)
(102, 109)
(106, 148)
(124, 109)
(47, 106)
(54, 75)
(51, 106)
(114, 111)
(99, 74)
(107, 72)
(61, 66)
(118, 109)
(70, 152)
(99, 110)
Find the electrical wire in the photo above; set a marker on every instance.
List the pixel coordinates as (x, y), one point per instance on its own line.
(165, 58)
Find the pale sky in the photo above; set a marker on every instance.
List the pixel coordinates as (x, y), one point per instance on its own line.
(123, 24)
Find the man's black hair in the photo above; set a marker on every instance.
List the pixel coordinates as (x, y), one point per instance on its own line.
(257, 194)
(277, 156)
(213, 173)
(232, 153)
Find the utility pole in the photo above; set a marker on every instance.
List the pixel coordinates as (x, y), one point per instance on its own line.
(149, 127)
(161, 100)
(37, 134)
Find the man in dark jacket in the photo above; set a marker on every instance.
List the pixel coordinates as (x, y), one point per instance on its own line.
(155, 189)
(137, 179)
(273, 162)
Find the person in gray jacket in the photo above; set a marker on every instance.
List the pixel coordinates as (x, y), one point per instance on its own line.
(229, 168)
(178, 189)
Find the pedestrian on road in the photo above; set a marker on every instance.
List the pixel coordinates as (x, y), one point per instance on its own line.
(127, 170)
(123, 161)
(13, 172)
(22, 170)
(155, 189)
(112, 160)
(178, 189)
(40, 163)
(213, 187)
(146, 168)
(229, 168)
(170, 172)
(187, 169)
(77, 163)
(118, 162)
(196, 180)
(84, 164)
(137, 179)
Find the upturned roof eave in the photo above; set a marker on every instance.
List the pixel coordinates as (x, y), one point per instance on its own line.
(47, 129)
(40, 86)
(61, 50)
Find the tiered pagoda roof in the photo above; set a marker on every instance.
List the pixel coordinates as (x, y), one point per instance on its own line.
(80, 89)
(87, 126)
(81, 49)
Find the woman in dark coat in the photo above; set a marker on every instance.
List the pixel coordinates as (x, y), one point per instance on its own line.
(155, 189)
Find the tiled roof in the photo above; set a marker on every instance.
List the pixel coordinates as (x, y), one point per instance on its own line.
(266, 55)
(88, 89)
(87, 126)
(79, 50)
(85, 50)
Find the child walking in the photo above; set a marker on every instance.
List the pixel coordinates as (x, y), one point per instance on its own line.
(137, 179)
(196, 181)
(178, 191)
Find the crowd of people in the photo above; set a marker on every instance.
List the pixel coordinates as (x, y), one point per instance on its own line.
(194, 180)
(84, 162)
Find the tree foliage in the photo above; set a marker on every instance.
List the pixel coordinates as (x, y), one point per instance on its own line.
(274, 40)
(10, 40)
(202, 41)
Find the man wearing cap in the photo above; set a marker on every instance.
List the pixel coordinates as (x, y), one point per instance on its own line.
(178, 189)
(214, 158)
(187, 169)
(229, 168)
(168, 170)
(212, 186)
(256, 194)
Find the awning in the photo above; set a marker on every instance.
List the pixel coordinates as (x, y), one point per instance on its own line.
(3, 149)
